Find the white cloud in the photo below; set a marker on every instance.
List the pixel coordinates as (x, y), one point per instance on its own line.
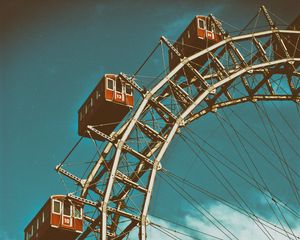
(240, 225)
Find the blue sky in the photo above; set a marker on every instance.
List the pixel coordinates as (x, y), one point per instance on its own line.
(53, 53)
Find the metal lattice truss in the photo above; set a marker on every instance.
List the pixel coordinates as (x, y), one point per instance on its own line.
(118, 189)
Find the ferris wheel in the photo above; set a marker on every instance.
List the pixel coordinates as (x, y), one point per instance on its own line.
(207, 70)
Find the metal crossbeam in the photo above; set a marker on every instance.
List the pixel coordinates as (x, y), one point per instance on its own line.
(261, 50)
(232, 48)
(162, 109)
(222, 74)
(138, 155)
(150, 132)
(242, 100)
(291, 85)
(183, 59)
(263, 55)
(124, 146)
(97, 230)
(101, 134)
(180, 95)
(99, 206)
(78, 180)
(219, 66)
(132, 83)
(126, 230)
(273, 26)
(265, 80)
(97, 190)
(127, 181)
(83, 200)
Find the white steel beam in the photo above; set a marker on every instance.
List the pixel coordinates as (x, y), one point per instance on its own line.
(145, 102)
(199, 99)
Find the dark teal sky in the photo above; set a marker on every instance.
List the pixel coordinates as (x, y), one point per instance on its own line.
(52, 55)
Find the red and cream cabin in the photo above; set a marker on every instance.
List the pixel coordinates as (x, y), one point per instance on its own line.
(200, 34)
(59, 219)
(106, 106)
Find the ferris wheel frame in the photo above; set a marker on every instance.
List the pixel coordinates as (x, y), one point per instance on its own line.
(150, 99)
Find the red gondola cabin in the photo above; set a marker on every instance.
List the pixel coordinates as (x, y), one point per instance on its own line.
(59, 219)
(106, 106)
(200, 34)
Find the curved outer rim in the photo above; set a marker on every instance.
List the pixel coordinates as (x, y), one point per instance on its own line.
(180, 122)
(143, 104)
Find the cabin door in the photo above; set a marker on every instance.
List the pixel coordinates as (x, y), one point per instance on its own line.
(119, 95)
(67, 220)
